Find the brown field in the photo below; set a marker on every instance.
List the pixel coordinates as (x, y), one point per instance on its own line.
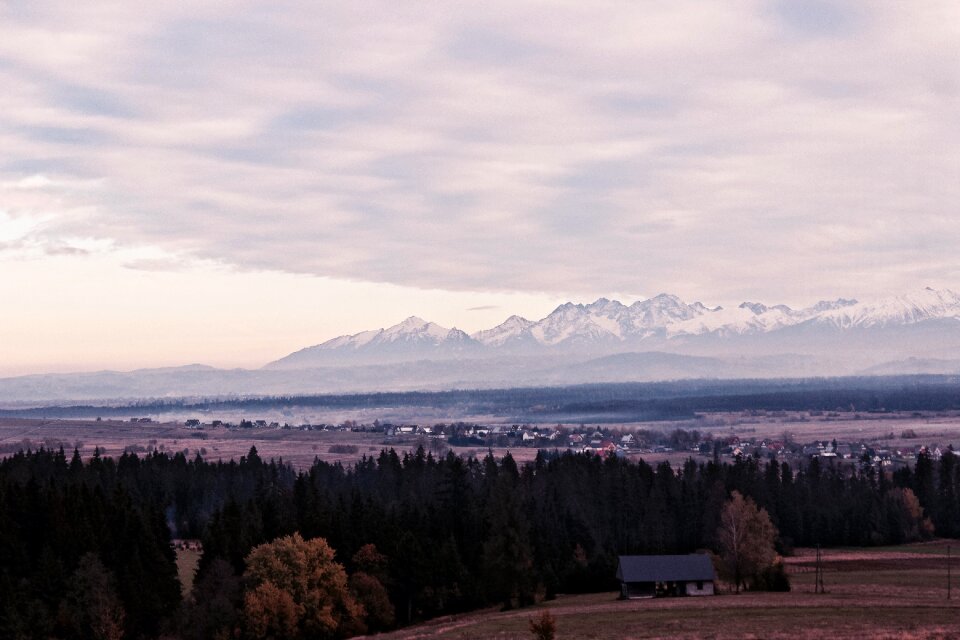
(113, 437)
(894, 592)
(301, 447)
(187, 562)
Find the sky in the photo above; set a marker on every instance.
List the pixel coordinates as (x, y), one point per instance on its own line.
(226, 182)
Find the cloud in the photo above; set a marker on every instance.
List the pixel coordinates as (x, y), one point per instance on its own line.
(66, 250)
(486, 307)
(154, 264)
(720, 151)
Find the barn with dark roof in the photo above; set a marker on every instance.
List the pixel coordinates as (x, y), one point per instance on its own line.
(653, 576)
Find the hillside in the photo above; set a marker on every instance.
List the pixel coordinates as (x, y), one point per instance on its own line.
(893, 592)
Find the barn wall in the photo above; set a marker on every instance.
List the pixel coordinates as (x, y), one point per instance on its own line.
(706, 591)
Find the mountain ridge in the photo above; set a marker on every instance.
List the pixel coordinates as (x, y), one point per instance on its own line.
(608, 325)
(658, 339)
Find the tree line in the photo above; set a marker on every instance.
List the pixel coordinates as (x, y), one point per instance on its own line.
(608, 402)
(415, 535)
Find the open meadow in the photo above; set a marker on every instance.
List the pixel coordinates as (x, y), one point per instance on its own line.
(114, 437)
(890, 592)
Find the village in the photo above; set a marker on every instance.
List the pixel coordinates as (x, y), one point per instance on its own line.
(888, 450)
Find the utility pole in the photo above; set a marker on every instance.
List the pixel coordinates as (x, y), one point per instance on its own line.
(948, 572)
(818, 577)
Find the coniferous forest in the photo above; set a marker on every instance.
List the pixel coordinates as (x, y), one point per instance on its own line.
(85, 546)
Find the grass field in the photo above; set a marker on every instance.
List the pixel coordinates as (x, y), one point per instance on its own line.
(187, 561)
(891, 592)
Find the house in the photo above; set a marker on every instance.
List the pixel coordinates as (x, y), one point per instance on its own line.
(654, 576)
(607, 446)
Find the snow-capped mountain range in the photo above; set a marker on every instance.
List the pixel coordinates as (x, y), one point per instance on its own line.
(663, 338)
(663, 322)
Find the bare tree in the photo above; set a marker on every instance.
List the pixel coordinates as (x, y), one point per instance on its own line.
(745, 537)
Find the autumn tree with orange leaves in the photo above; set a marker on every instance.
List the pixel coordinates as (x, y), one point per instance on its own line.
(297, 590)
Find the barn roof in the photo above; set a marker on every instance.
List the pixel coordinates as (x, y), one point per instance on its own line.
(665, 568)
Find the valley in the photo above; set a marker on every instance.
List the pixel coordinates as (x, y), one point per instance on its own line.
(347, 436)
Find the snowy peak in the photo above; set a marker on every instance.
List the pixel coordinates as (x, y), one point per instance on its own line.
(608, 326)
(577, 324)
(413, 323)
(511, 329)
(669, 316)
(415, 329)
(828, 305)
(457, 336)
(756, 307)
(662, 310)
(606, 307)
(354, 341)
(914, 307)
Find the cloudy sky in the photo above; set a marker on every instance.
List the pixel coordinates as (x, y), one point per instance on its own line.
(226, 182)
